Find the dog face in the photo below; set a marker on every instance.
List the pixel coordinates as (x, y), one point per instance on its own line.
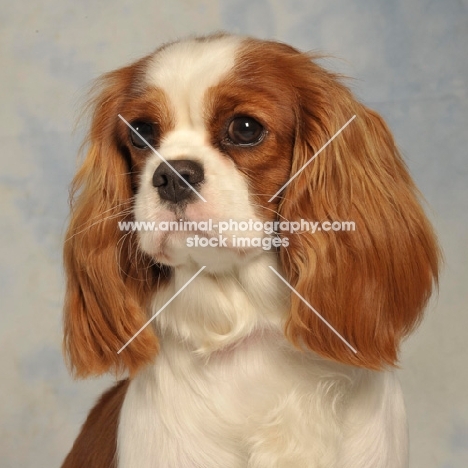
(230, 128)
(227, 131)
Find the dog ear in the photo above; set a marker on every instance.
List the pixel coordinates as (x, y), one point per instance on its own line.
(370, 284)
(108, 279)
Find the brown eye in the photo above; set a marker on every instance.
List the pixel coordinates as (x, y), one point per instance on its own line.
(245, 131)
(142, 131)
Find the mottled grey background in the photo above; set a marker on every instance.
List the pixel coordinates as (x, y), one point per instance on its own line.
(409, 61)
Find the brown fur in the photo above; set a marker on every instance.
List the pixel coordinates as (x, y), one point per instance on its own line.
(96, 445)
(371, 284)
(107, 281)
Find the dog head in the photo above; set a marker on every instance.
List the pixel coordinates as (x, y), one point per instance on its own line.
(228, 128)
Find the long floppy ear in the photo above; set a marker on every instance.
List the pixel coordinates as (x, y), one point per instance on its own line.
(108, 279)
(370, 284)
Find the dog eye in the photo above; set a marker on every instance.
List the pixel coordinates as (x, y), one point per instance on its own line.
(145, 130)
(245, 131)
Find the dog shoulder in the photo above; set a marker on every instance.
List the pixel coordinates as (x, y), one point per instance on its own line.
(96, 445)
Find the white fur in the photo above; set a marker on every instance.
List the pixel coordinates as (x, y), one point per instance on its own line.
(227, 389)
(185, 71)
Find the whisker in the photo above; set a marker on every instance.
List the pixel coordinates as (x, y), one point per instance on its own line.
(106, 218)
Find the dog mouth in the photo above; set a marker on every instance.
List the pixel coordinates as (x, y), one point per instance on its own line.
(182, 236)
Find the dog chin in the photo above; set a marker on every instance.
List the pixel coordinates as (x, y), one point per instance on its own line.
(186, 251)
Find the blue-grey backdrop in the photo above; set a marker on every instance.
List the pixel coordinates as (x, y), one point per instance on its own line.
(410, 62)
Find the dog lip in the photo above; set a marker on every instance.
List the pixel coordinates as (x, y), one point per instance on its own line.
(243, 251)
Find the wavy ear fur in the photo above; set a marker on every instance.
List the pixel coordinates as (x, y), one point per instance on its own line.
(108, 279)
(371, 284)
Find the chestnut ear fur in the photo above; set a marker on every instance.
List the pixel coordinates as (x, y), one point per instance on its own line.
(108, 280)
(371, 284)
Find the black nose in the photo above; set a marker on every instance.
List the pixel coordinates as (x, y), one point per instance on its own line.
(170, 186)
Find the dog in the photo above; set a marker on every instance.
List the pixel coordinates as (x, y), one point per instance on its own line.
(242, 346)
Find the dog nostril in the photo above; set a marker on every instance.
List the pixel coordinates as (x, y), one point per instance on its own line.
(193, 175)
(159, 180)
(170, 180)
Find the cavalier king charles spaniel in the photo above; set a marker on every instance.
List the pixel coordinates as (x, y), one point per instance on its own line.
(241, 347)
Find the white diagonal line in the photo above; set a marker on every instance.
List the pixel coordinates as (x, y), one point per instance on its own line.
(157, 153)
(313, 310)
(313, 157)
(161, 309)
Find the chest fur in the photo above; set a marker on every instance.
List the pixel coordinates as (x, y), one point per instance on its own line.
(258, 399)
